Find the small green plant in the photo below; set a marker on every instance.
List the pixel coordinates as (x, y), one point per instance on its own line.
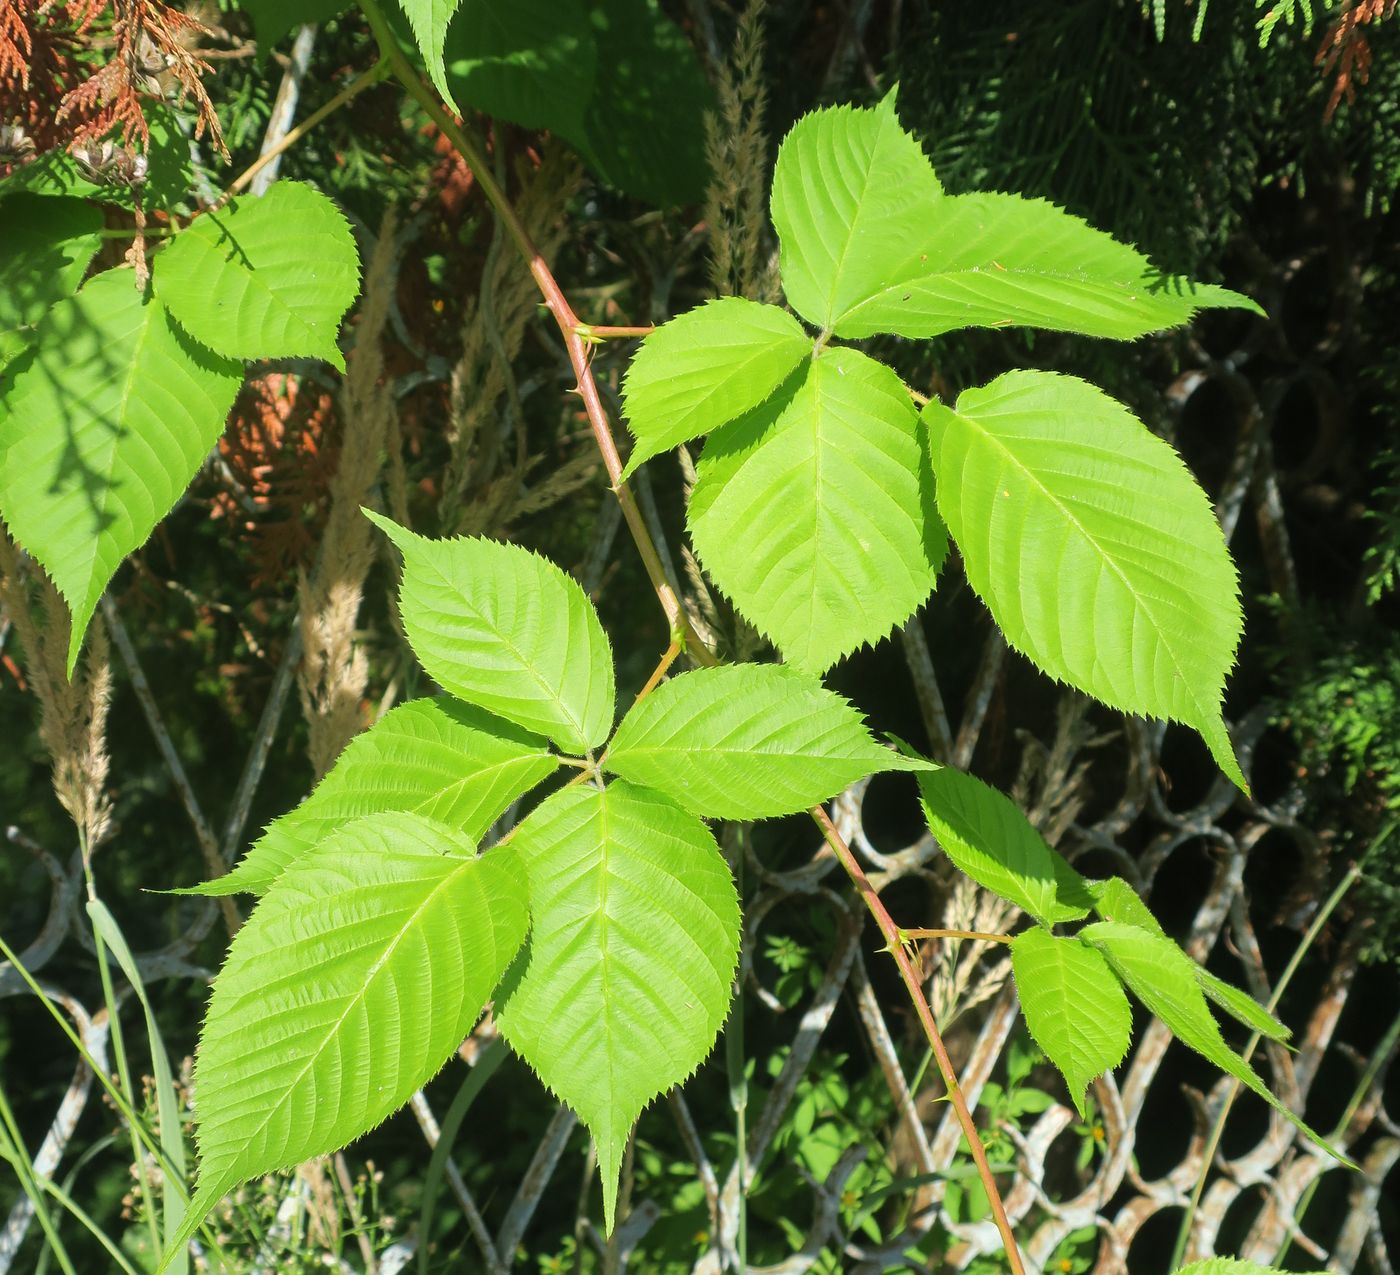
(605, 927)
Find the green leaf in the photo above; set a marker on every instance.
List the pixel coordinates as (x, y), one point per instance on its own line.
(352, 982)
(985, 834)
(810, 515)
(430, 20)
(446, 761)
(104, 422)
(1074, 1006)
(275, 19)
(1165, 980)
(747, 741)
(706, 367)
(993, 260)
(1227, 1266)
(265, 278)
(45, 247)
(1116, 900)
(628, 972)
(853, 196)
(531, 62)
(1093, 547)
(501, 627)
(172, 1140)
(644, 128)
(1241, 1006)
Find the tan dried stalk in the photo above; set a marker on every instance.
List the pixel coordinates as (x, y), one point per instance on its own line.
(736, 146)
(334, 670)
(482, 489)
(72, 714)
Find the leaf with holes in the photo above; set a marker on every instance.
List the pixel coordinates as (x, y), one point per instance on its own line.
(267, 277)
(985, 834)
(47, 245)
(438, 758)
(704, 368)
(104, 421)
(1093, 547)
(802, 503)
(853, 196)
(1165, 980)
(628, 972)
(994, 260)
(353, 981)
(501, 627)
(747, 741)
(1074, 1005)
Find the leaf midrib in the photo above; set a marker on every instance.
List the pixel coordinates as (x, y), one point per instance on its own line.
(1187, 683)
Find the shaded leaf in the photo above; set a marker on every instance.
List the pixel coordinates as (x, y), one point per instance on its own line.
(501, 627)
(446, 761)
(747, 741)
(267, 277)
(704, 368)
(104, 422)
(808, 512)
(45, 246)
(627, 976)
(985, 834)
(274, 19)
(531, 62)
(1074, 1005)
(1093, 547)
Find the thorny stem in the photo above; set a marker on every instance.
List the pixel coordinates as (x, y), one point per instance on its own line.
(572, 331)
(910, 978)
(365, 80)
(557, 304)
(605, 332)
(977, 935)
(667, 659)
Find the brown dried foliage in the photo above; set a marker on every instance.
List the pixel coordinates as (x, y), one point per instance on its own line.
(72, 714)
(1346, 51)
(48, 90)
(279, 460)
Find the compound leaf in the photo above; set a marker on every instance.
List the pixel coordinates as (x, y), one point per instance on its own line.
(267, 277)
(354, 979)
(45, 247)
(627, 975)
(1074, 1005)
(704, 368)
(853, 195)
(105, 420)
(1227, 1266)
(438, 758)
(1093, 547)
(985, 834)
(501, 627)
(1165, 980)
(747, 741)
(1115, 900)
(810, 514)
(995, 260)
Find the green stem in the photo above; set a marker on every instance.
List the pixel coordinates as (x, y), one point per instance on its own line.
(557, 304)
(977, 935)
